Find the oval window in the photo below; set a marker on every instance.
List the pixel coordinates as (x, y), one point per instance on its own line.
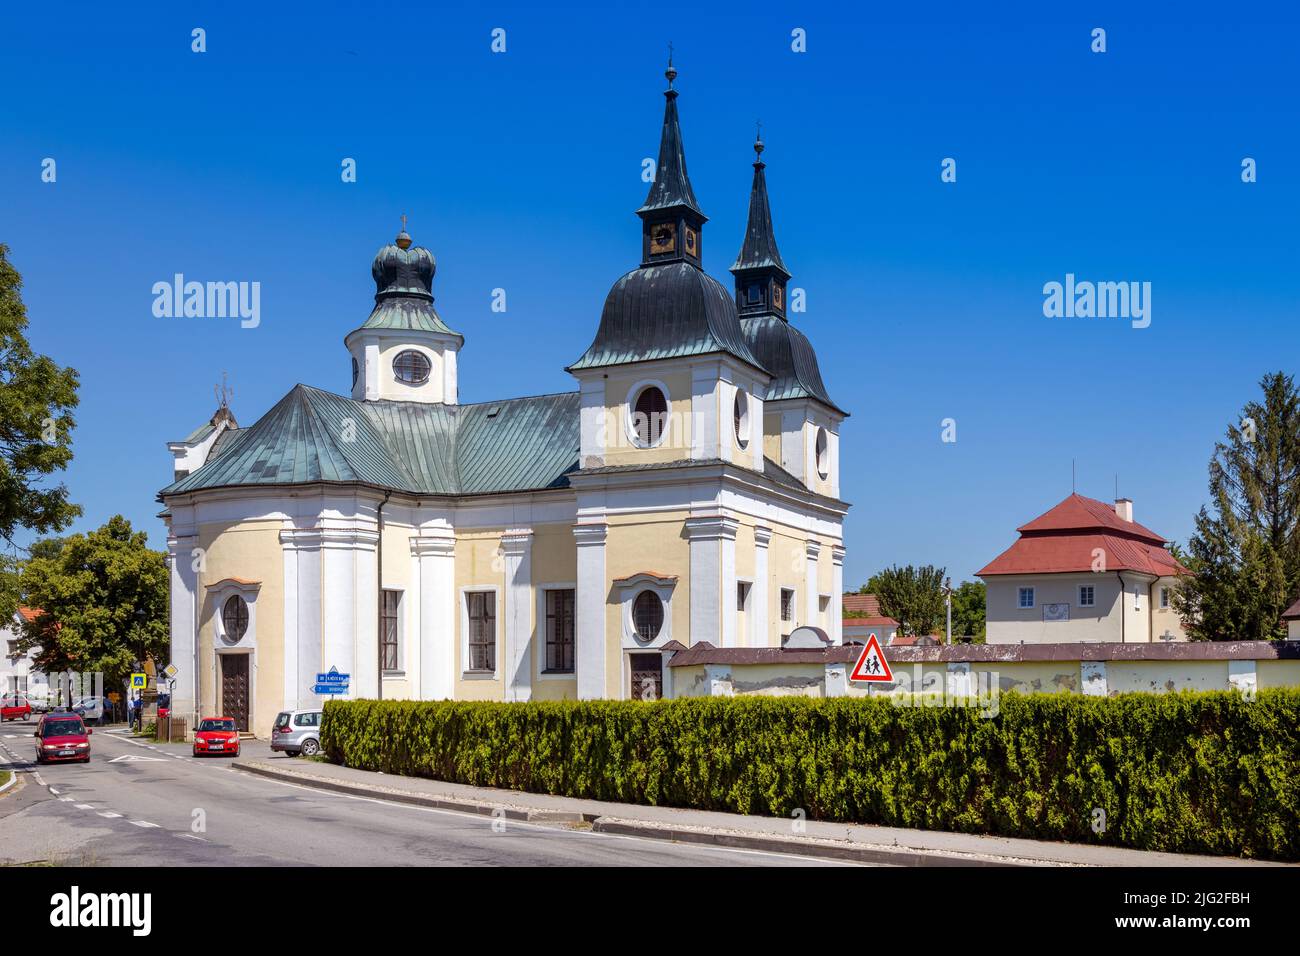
(647, 615)
(411, 367)
(234, 619)
(740, 414)
(650, 416)
(823, 454)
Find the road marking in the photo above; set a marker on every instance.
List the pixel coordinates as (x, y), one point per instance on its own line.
(191, 836)
(65, 799)
(145, 823)
(85, 806)
(53, 791)
(109, 813)
(135, 758)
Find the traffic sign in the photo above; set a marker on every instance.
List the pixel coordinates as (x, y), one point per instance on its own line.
(171, 670)
(139, 681)
(871, 665)
(329, 688)
(333, 677)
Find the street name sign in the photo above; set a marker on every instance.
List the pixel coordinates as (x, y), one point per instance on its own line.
(871, 665)
(329, 688)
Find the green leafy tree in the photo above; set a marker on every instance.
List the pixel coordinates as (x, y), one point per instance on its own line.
(912, 596)
(36, 402)
(103, 598)
(1245, 553)
(968, 610)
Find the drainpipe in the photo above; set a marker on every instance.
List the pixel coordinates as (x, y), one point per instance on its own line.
(379, 600)
(1123, 596)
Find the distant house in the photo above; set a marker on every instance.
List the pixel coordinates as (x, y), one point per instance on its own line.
(862, 618)
(19, 673)
(1083, 572)
(1291, 615)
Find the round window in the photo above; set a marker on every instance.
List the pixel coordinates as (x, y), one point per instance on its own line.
(823, 454)
(234, 619)
(411, 367)
(650, 416)
(740, 414)
(647, 615)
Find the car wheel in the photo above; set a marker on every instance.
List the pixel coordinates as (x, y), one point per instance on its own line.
(311, 747)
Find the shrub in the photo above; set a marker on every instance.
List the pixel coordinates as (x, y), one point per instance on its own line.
(1188, 772)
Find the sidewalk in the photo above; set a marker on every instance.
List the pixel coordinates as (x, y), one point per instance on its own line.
(852, 842)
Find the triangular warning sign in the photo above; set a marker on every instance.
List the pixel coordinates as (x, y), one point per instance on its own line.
(871, 663)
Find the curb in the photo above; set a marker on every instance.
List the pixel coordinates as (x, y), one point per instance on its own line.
(13, 781)
(617, 826)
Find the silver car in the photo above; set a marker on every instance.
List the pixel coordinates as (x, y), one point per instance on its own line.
(297, 732)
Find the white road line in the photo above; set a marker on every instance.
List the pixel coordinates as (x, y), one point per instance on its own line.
(84, 806)
(53, 791)
(109, 813)
(191, 836)
(145, 823)
(65, 799)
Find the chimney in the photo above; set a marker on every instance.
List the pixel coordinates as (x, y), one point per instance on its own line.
(1124, 508)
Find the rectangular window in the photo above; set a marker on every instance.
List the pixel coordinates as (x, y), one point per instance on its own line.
(482, 608)
(823, 606)
(559, 632)
(392, 600)
(1087, 597)
(742, 595)
(1026, 597)
(787, 604)
(1164, 598)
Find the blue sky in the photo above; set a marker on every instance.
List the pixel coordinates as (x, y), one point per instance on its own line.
(522, 170)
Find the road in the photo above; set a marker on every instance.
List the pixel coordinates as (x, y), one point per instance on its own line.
(141, 805)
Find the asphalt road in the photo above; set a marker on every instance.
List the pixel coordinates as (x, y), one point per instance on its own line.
(137, 804)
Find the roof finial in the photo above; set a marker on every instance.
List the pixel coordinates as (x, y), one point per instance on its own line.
(224, 393)
(403, 240)
(758, 143)
(670, 72)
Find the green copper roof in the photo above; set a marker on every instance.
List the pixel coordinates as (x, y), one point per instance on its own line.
(310, 435)
(404, 290)
(407, 314)
(789, 356)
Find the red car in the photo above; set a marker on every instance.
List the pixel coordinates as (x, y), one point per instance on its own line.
(62, 737)
(15, 707)
(216, 735)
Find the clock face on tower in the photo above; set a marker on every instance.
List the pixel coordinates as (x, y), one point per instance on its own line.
(776, 294)
(663, 238)
(691, 238)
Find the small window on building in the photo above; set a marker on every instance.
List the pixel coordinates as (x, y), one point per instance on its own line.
(356, 372)
(823, 454)
(753, 294)
(1087, 597)
(411, 367)
(234, 619)
(650, 416)
(742, 595)
(647, 615)
(392, 601)
(1164, 598)
(787, 604)
(559, 632)
(823, 606)
(1026, 597)
(482, 608)
(1137, 597)
(740, 418)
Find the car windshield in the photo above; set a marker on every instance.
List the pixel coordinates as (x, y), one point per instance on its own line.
(62, 728)
(216, 725)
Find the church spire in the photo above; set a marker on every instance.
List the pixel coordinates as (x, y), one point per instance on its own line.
(760, 273)
(671, 217)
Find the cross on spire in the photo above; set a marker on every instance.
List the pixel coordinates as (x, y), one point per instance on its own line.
(223, 392)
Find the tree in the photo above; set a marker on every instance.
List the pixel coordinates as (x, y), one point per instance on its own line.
(911, 596)
(103, 598)
(968, 610)
(1245, 553)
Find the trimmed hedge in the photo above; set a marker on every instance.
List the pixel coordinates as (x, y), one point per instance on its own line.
(1187, 772)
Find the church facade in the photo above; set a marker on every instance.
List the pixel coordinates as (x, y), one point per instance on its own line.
(536, 548)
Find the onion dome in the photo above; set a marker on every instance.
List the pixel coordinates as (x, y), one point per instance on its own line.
(403, 275)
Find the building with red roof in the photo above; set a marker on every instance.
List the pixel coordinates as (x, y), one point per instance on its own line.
(1084, 571)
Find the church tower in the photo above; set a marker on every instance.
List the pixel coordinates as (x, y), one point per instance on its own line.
(404, 352)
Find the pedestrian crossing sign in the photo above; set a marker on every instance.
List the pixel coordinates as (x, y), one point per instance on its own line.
(139, 681)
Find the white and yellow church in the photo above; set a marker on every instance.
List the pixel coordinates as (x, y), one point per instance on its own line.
(537, 548)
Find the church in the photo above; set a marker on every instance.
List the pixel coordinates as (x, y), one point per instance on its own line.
(538, 548)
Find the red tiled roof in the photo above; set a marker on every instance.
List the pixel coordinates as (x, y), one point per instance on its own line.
(1067, 537)
(870, 622)
(29, 613)
(862, 603)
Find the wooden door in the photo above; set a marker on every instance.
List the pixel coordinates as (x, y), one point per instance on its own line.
(234, 689)
(647, 676)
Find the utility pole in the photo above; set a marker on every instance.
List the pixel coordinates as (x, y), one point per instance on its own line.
(947, 591)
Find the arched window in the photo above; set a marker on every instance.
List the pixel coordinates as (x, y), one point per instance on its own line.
(411, 367)
(234, 619)
(823, 454)
(650, 416)
(740, 415)
(647, 615)
(356, 372)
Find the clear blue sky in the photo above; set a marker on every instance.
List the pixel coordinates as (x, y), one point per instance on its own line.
(522, 170)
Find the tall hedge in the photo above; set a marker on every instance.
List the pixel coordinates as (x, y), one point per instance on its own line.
(1187, 772)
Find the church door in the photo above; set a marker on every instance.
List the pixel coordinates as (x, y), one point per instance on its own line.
(234, 688)
(647, 676)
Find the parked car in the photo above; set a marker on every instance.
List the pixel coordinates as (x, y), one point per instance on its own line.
(15, 707)
(216, 735)
(91, 709)
(297, 732)
(62, 737)
(40, 705)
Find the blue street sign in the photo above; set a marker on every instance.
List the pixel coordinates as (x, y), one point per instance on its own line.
(329, 688)
(333, 677)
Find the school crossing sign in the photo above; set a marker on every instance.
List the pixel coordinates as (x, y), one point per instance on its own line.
(871, 665)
